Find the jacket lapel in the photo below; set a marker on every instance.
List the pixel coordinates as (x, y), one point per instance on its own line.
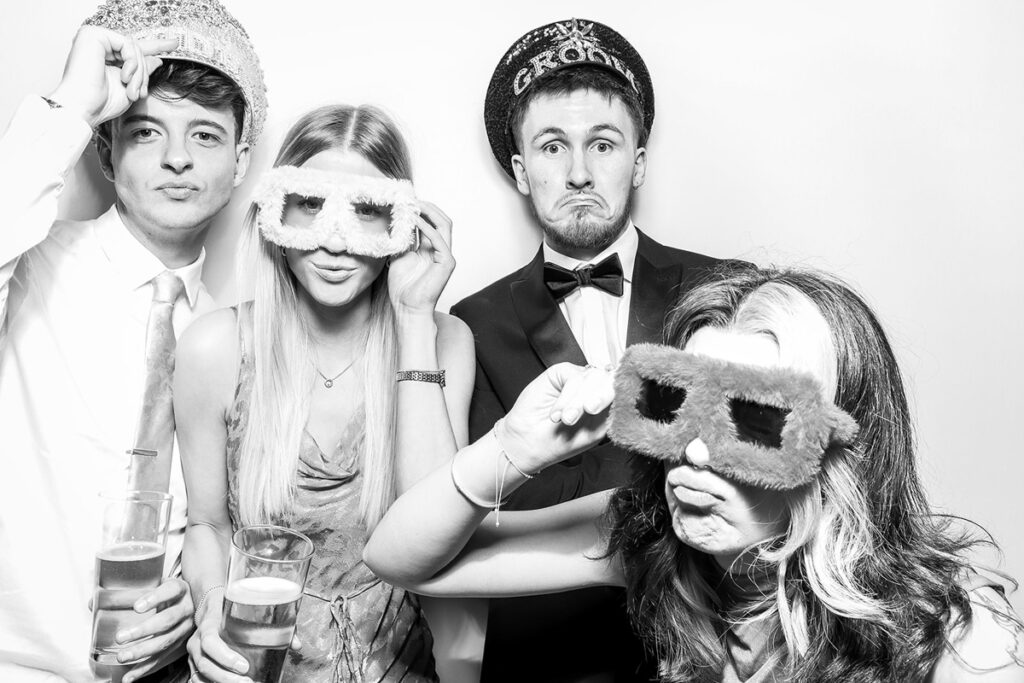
(653, 286)
(544, 325)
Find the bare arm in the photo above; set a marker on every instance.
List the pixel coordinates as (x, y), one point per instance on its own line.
(204, 380)
(434, 420)
(434, 423)
(537, 551)
(559, 414)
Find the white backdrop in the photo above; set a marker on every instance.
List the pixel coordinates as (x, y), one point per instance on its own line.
(881, 140)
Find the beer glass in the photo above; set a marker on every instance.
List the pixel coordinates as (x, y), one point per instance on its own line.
(266, 574)
(129, 564)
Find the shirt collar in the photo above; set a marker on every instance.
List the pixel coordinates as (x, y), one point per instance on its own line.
(138, 265)
(625, 245)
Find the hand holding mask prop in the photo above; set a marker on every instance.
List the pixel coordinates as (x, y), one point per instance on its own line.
(339, 204)
(767, 427)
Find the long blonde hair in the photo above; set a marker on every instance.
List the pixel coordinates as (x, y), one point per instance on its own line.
(282, 344)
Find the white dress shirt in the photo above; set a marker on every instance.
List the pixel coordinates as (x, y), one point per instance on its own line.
(599, 320)
(74, 302)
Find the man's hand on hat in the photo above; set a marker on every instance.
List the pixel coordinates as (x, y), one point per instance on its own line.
(106, 72)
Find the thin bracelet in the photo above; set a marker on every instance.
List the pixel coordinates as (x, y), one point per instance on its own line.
(467, 494)
(500, 424)
(202, 601)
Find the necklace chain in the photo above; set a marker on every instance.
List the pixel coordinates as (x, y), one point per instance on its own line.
(329, 381)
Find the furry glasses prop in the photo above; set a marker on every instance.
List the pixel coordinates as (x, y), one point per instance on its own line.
(768, 427)
(343, 201)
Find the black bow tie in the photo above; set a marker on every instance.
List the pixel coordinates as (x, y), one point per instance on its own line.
(606, 275)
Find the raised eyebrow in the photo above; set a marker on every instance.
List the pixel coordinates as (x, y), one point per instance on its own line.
(196, 123)
(604, 128)
(141, 118)
(550, 130)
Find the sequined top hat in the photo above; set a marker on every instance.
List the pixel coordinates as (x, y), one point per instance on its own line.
(560, 45)
(206, 34)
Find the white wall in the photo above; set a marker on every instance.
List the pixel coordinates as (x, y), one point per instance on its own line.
(881, 140)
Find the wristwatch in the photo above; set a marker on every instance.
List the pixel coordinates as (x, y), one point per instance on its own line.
(436, 376)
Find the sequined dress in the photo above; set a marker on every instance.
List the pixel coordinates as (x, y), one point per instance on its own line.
(353, 626)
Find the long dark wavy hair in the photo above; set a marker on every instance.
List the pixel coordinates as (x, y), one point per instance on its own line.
(868, 579)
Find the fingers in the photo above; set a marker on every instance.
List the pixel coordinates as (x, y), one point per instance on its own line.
(437, 242)
(436, 216)
(136, 61)
(437, 219)
(150, 648)
(213, 659)
(169, 592)
(174, 618)
(152, 64)
(582, 391)
(157, 46)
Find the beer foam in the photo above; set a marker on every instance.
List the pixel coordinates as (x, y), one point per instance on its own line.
(130, 551)
(263, 590)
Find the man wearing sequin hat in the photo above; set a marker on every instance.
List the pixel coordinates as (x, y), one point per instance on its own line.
(173, 95)
(568, 112)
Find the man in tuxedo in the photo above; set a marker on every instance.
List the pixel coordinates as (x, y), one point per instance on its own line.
(568, 112)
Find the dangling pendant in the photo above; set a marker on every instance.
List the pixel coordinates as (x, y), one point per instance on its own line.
(329, 381)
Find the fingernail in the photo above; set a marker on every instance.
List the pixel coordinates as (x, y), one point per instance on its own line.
(556, 416)
(123, 636)
(125, 656)
(571, 415)
(142, 605)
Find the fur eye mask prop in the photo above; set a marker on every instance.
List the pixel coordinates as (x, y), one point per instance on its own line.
(337, 203)
(767, 427)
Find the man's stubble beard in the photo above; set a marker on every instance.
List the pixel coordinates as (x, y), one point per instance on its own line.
(584, 232)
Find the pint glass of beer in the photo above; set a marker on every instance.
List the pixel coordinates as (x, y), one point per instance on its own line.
(129, 564)
(266, 574)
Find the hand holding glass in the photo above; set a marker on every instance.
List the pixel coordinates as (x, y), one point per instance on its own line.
(129, 565)
(266, 574)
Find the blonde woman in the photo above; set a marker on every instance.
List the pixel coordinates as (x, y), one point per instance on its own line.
(286, 405)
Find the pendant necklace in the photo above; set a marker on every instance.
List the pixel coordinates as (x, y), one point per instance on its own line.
(329, 381)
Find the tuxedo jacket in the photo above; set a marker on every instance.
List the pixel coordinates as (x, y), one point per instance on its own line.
(519, 332)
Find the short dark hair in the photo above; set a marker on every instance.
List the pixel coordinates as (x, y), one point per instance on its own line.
(569, 80)
(179, 79)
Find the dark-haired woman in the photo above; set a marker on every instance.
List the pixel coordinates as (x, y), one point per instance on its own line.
(779, 531)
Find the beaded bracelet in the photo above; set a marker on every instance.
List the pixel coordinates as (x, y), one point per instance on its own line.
(202, 601)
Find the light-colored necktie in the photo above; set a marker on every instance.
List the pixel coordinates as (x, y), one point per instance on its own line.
(150, 467)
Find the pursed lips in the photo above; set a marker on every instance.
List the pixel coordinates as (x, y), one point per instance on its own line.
(178, 189)
(695, 488)
(333, 272)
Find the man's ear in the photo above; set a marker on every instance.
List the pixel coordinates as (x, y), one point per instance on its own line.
(104, 151)
(522, 179)
(639, 167)
(243, 154)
